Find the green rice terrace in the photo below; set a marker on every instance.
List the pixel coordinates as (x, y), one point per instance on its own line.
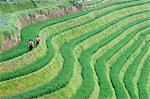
(99, 51)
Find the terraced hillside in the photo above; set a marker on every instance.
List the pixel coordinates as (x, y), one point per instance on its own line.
(15, 14)
(101, 53)
(9, 6)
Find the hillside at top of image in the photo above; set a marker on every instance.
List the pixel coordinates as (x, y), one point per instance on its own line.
(15, 14)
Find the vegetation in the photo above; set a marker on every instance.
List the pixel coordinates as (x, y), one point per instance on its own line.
(72, 58)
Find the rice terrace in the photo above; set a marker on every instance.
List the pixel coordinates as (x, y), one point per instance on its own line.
(75, 49)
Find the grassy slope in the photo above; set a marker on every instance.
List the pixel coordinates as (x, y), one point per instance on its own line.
(21, 9)
(3, 69)
(67, 46)
(10, 63)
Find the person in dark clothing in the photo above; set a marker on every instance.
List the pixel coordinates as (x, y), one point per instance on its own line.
(30, 45)
(38, 40)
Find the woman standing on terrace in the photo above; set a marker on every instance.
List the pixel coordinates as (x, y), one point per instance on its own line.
(30, 45)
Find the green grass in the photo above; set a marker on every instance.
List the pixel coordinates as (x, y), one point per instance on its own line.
(38, 64)
(64, 73)
(84, 63)
(31, 67)
(115, 68)
(52, 31)
(35, 28)
(143, 80)
(13, 7)
(101, 66)
(85, 56)
(87, 71)
(131, 73)
(17, 6)
(21, 48)
(18, 10)
(59, 50)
